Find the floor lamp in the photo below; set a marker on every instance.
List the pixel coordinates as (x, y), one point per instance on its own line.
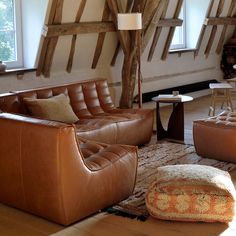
(133, 21)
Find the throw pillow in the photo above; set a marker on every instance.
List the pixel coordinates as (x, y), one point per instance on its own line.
(192, 193)
(56, 108)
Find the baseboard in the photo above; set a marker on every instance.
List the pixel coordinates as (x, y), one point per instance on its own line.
(184, 89)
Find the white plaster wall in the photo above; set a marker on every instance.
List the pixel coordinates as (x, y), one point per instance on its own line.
(157, 74)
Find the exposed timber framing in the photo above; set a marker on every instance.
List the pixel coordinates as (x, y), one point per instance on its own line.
(74, 37)
(78, 28)
(225, 27)
(214, 29)
(157, 33)
(154, 14)
(220, 21)
(52, 19)
(203, 30)
(101, 38)
(171, 31)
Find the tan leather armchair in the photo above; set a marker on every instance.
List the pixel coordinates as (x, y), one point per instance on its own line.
(47, 171)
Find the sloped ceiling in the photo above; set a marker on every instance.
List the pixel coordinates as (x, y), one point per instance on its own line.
(73, 25)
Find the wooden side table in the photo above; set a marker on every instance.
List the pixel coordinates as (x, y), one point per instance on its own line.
(220, 92)
(175, 128)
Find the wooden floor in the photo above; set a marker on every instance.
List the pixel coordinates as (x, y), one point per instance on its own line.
(16, 223)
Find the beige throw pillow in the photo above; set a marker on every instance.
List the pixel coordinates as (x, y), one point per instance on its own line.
(55, 108)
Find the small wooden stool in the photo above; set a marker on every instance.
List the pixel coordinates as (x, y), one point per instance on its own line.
(233, 91)
(220, 92)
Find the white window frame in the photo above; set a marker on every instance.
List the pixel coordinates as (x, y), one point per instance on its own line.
(182, 32)
(18, 41)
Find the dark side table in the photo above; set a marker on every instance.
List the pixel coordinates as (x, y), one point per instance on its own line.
(175, 128)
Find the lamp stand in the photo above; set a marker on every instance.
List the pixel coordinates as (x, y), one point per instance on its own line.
(140, 99)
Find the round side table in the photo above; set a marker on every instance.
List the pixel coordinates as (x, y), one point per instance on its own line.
(175, 128)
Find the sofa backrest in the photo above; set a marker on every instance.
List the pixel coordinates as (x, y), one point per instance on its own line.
(9, 102)
(87, 97)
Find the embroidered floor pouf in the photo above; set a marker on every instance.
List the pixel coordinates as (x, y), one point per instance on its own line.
(192, 193)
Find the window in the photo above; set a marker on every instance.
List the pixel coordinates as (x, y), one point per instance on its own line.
(10, 33)
(193, 14)
(179, 38)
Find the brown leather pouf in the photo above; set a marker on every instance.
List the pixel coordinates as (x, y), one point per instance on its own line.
(215, 137)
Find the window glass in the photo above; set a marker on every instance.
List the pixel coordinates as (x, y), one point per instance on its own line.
(193, 14)
(10, 33)
(178, 40)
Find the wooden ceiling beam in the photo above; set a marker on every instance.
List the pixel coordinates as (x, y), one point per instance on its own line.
(74, 38)
(214, 29)
(78, 28)
(220, 21)
(171, 31)
(101, 37)
(151, 27)
(129, 7)
(49, 45)
(224, 30)
(170, 23)
(123, 35)
(203, 29)
(157, 33)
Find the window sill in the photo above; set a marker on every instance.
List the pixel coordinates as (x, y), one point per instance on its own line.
(182, 50)
(18, 71)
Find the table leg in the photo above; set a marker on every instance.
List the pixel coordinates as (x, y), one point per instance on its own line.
(176, 122)
(161, 132)
(175, 128)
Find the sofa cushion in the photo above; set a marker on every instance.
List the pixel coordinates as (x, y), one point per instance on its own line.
(54, 108)
(191, 193)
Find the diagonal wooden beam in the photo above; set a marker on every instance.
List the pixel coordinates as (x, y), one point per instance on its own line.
(45, 40)
(74, 37)
(171, 31)
(113, 60)
(203, 29)
(153, 24)
(224, 30)
(214, 29)
(129, 7)
(101, 37)
(53, 41)
(157, 34)
(123, 36)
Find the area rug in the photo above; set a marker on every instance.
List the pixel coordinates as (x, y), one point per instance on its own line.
(151, 157)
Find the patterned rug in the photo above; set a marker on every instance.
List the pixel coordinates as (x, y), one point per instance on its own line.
(151, 157)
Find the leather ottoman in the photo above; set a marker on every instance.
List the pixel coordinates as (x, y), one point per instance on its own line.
(215, 137)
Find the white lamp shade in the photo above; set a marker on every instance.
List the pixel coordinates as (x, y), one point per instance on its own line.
(129, 21)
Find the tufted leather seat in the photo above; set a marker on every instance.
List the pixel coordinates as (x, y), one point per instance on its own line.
(215, 137)
(99, 120)
(46, 170)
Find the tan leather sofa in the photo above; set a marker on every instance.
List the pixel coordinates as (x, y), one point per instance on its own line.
(99, 120)
(46, 170)
(215, 137)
